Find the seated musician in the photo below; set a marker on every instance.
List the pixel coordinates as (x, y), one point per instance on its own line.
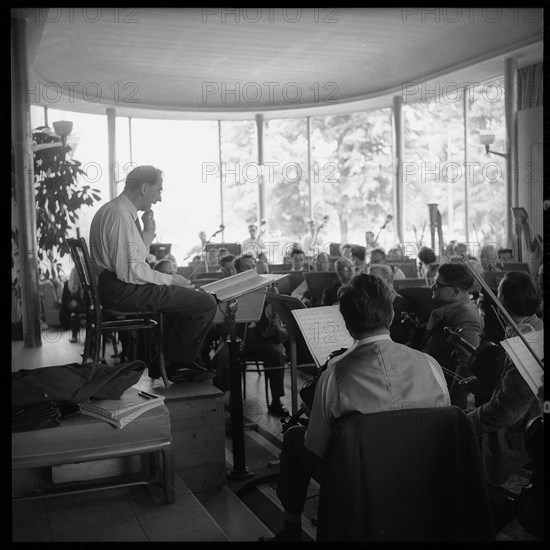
(456, 310)
(378, 256)
(301, 291)
(426, 258)
(264, 340)
(398, 331)
(375, 374)
(488, 257)
(227, 265)
(345, 270)
(358, 258)
(501, 422)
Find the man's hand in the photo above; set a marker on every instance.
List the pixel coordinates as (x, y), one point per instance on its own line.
(149, 224)
(179, 280)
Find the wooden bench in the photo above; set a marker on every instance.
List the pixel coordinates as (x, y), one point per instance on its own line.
(84, 439)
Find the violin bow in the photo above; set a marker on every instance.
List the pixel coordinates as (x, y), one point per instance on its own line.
(502, 309)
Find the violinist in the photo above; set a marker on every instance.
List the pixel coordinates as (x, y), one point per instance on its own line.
(375, 374)
(456, 310)
(501, 422)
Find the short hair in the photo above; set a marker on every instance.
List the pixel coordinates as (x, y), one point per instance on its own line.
(227, 258)
(342, 262)
(140, 175)
(295, 251)
(385, 270)
(426, 255)
(502, 251)
(520, 293)
(240, 260)
(358, 252)
(365, 303)
(252, 226)
(457, 274)
(380, 251)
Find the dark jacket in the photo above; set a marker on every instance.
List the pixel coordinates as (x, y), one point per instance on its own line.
(73, 383)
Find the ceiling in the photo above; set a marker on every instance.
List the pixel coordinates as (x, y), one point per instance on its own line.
(213, 63)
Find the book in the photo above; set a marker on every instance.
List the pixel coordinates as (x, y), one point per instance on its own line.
(523, 358)
(324, 331)
(120, 412)
(235, 286)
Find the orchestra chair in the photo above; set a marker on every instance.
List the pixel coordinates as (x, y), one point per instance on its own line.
(404, 475)
(408, 267)
(101, 321)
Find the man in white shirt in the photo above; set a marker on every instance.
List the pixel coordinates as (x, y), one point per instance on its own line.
(312, 242)
(254, 244)
(374, 375)
(126, 282)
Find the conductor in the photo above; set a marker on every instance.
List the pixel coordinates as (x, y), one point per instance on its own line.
(126, 282)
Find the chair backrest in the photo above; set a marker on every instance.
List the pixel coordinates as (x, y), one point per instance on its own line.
(413, 282)
(404, 475)
(408, 267)
(83, 264)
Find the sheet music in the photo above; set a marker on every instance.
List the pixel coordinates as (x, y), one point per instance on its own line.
(232, 287)
(524, 360)
(324, 331)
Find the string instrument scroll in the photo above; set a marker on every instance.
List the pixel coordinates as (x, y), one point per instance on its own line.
(436, 225)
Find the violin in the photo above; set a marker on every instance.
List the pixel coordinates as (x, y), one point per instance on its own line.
(483, 363)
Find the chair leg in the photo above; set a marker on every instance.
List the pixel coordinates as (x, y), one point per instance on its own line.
(162, 364)
(244, 380)
(169, 473)
(266, 381)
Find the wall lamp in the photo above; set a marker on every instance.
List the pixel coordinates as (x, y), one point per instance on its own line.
(487, 139)
(63, 128)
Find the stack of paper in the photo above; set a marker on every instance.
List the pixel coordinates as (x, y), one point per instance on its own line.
(120, 412)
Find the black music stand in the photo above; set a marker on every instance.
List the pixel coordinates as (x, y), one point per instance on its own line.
(229, 308)
(317, 281)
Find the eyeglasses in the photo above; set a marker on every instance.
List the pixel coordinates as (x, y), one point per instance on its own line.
(437, 284)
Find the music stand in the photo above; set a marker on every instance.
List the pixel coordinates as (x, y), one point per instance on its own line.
(159, 250)
(317, 281)
(228, 292)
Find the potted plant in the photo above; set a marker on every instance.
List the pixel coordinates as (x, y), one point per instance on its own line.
(59, 197)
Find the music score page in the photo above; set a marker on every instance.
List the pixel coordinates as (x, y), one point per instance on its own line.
(324, 331)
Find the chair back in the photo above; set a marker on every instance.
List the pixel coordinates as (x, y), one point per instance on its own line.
(404, 475)
(92, 306)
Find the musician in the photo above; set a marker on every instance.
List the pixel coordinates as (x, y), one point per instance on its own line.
(501, 422)
(375, 374)
(345, 250)
(450, 290)
(254, 244)
(198, 249)
(227, 265)
(488, 257)
(312, 242)
(358, 257)
(398, 332)
(118, 248)
(345, 270)
(426, 258)
(378, 256)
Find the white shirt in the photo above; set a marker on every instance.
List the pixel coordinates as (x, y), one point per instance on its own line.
(116, 245)
(253, 247)
(393, 377)
(310, 247)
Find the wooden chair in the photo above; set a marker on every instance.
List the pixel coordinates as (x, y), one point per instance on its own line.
(101, 321)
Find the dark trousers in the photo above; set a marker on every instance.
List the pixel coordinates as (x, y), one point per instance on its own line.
(189, 313)
(298, 465)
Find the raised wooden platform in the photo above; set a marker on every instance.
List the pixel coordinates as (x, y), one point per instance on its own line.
(198, 430)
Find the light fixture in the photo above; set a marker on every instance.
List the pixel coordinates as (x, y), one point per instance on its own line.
(486, 139)
(63, 128)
